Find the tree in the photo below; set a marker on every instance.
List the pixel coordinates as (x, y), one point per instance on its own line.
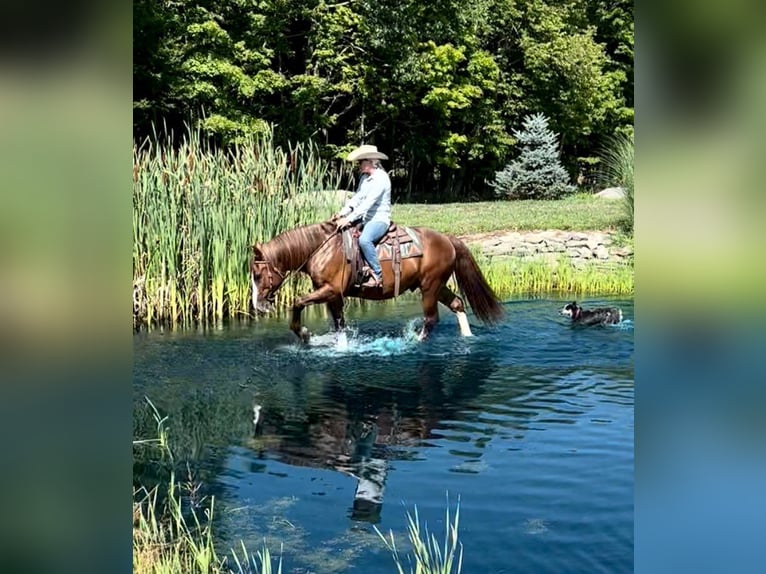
(537, 173)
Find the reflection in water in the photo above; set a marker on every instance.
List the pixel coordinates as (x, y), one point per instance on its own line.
(353, 420)
(530, 423)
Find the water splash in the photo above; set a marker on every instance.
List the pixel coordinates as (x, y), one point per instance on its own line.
(351, 342)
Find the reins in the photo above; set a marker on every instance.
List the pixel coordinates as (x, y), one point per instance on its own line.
(284, 276)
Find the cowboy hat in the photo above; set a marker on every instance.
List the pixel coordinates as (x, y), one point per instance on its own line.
(366, 152)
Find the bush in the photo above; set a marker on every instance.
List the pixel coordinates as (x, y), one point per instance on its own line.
(537, 173)
(617, 161)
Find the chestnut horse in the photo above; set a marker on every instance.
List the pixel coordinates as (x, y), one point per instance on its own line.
(317, 251)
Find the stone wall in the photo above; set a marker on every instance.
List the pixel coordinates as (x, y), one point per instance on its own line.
(580, 246)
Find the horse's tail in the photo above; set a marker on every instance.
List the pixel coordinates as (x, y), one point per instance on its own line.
(474, 286)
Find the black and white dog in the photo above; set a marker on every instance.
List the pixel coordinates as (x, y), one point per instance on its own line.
(600, 316)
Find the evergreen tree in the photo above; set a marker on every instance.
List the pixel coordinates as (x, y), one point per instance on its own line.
(537, 173)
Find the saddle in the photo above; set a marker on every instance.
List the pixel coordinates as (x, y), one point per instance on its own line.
(398, 243)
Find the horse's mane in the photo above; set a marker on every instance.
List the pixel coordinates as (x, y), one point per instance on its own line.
(293, 247)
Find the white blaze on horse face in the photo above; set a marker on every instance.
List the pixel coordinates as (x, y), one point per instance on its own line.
(255, 293)
(462, 320)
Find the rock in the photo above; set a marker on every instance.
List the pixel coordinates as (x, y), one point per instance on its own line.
(549, 245)
(601, 252)
(534, 238)
(593, 243)
(611, 193)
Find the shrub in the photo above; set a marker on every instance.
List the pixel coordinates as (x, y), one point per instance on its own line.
(617, 161)
(537, 173)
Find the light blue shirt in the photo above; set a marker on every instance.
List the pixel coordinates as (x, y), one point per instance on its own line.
(372, 200)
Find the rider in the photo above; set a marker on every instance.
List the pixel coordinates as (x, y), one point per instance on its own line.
(372, 204)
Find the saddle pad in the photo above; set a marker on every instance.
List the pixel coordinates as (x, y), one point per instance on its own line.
(411, 246)
(408, 249)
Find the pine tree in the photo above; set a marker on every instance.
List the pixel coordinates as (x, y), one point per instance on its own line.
(537, 173)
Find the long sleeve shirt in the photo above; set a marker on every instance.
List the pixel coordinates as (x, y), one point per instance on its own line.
(372, 200)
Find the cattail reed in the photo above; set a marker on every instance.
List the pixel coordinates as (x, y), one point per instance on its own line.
(197, 210)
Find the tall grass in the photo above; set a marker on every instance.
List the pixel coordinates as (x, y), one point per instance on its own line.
(428, 555)
(617, 161)
(513, 276)
(168, 539)
(197, 211)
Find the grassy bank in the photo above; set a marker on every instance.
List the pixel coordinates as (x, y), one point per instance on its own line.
(582, 212)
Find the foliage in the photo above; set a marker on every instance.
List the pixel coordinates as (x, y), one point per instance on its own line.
(434, 85)
(568, 74)
(617, 160)
(197, 212)
(428, 556)
(526, 276)
(537, 173)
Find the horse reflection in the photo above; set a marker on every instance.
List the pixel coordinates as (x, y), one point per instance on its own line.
(357, 430)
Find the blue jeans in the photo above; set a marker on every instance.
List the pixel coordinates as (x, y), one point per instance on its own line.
(371, 233)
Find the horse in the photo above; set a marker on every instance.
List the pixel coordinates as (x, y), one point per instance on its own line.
(317, 250)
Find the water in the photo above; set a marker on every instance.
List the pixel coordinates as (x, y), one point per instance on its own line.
(529, 424)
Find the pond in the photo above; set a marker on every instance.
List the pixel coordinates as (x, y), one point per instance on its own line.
(529, 424)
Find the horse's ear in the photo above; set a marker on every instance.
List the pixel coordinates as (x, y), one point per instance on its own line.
(257, 254)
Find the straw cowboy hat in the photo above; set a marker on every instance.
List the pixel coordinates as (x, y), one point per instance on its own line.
(366, 152)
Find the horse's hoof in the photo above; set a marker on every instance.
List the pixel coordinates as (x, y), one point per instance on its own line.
(305, 335)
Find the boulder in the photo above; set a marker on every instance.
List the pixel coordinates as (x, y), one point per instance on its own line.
(611, 193)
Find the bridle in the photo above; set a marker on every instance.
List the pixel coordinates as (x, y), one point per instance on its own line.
(269, 269)
(282, 276)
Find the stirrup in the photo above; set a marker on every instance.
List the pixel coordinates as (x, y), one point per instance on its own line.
(372, 281)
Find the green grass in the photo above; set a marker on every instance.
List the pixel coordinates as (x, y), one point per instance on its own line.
(428, 557)
(514, 276)
(581, 212)
(617, 159)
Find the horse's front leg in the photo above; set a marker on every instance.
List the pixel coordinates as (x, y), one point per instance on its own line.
(324, 293)
(338, 321)
(336, 311)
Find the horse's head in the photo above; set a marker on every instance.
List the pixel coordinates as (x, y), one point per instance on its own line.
(265, 280)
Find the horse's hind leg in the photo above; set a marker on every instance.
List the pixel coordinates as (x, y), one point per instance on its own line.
(430, 314)
(455, 304)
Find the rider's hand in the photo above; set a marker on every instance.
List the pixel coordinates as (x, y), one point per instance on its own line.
(341, 222)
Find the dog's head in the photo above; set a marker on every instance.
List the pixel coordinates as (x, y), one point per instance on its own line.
(571, 310)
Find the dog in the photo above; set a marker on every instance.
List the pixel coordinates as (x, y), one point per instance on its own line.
(600, 316)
